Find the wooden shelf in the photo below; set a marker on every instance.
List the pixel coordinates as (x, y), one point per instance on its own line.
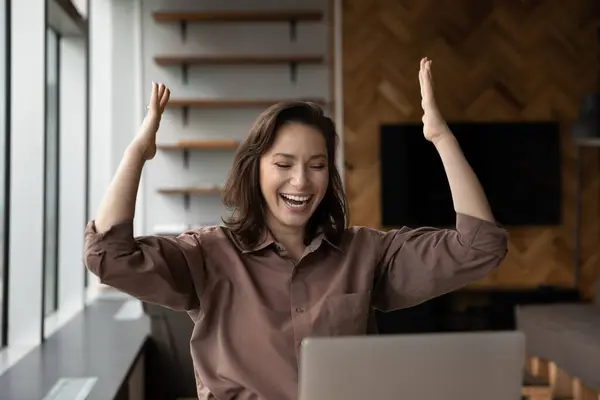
(218, 144)
(238, 16)
(186, 145)
(186, 104)
(185, 61)
(290, 16)
(169, 60)
(226, 103)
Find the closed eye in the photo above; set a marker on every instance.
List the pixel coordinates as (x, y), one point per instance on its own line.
(320, 166)
(280, 165)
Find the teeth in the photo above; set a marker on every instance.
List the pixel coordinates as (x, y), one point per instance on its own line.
(296, 198)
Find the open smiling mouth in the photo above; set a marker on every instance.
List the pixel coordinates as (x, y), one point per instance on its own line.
(295, 201)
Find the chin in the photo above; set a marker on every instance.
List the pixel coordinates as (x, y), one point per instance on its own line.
(292, 221)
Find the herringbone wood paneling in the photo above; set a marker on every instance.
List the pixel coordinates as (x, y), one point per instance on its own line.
(498, 60)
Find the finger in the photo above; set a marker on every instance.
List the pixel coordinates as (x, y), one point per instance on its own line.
(165, 99)
(161, 91)
(153, 93)
(153, 97)
(421, 74)
(429, 74)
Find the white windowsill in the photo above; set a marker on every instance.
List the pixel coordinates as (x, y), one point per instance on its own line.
(12, 354)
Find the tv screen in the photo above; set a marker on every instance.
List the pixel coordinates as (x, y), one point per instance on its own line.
(518, 165)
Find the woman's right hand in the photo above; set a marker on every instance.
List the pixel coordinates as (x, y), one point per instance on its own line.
(145, 140)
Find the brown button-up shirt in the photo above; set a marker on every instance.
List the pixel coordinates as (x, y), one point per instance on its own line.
(253, 306)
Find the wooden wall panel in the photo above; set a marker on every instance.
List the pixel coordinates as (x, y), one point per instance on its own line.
(493, 61)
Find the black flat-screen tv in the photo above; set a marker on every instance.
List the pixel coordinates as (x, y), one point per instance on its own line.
(518, 165)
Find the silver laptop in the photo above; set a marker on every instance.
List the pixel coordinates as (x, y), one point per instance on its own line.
(431, 366)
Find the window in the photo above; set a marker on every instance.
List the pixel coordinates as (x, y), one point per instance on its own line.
(4, 161)
(51, 163)
(47, 89)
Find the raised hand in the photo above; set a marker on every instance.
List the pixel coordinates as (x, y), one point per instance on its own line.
(145, 140)
(434, 125)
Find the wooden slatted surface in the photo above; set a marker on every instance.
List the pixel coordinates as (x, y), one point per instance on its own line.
(535, 388)
(493, 61)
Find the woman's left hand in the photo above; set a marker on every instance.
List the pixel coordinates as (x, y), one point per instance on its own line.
(434, 125)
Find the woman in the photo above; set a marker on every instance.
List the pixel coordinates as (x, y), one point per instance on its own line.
(285, 266)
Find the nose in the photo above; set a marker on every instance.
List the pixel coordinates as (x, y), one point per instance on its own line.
(299, 178)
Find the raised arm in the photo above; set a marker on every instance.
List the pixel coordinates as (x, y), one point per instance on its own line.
(118, 204)
(152, 268)
(467, 194)
(416, 265)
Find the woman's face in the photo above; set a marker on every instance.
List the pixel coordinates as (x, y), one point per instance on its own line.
(294, 176)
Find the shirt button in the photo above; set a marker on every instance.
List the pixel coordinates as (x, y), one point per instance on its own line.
(299, 310)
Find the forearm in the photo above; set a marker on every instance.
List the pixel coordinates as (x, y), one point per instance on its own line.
(467, 193)
(118, 204)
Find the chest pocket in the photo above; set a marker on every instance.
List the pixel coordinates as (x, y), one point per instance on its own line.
(346, 314)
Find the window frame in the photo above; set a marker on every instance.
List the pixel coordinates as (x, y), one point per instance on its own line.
(5, 48)
(51, 270)
(86, 279)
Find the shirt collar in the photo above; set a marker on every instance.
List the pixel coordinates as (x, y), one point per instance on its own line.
(269, 240)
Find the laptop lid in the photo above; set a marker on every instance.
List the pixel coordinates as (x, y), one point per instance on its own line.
(432, 366)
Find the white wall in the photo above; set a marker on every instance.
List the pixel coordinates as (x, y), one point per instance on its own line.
(100, 107)
(101, 98)
(126, 114)
(115, 110)
(221, 82)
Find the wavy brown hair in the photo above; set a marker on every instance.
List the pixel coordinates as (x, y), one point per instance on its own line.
(242, 193)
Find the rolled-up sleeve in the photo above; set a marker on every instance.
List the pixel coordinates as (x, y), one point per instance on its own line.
(416, 265)
(154, 269)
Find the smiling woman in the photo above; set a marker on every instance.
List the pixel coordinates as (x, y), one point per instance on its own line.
(288, 164)
(285, 266)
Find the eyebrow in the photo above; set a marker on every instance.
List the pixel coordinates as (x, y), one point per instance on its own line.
(286, 155)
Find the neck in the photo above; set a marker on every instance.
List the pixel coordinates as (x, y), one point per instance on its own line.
(290, 238)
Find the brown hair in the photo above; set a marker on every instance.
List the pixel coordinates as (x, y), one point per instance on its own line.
(242, 193)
